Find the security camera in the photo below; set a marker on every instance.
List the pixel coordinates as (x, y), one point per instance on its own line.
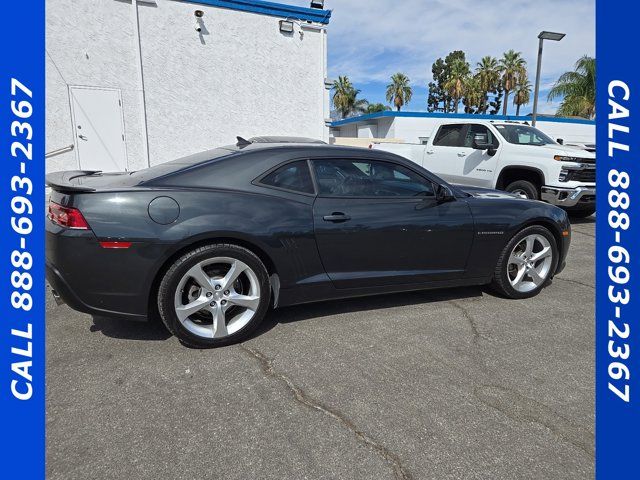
(198, 14)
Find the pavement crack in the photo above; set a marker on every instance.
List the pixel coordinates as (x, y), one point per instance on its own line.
(470, 320)
(577, 282)
(266, 365)
(523, 409)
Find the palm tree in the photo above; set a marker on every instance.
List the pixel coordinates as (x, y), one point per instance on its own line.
(522, 93)
(512, 67)
(377, 107)
(399, 91)
(578, 88)
(474, 95)
(488, 72)
(345, 98)
(456, 81)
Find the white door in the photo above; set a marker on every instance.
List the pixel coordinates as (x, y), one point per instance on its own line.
(451, 155)
(98, 128)
(445, 153)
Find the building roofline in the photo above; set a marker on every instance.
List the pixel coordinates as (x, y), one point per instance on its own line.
(461, 116)
(270, 8)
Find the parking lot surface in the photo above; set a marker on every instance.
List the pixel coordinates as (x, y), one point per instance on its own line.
(448, 384)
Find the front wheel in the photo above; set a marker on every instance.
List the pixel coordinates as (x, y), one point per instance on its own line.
(523, 188)
(526, 263)
(214, 295)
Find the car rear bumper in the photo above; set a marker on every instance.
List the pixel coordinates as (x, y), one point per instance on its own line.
(94, 280)
(569, 197)
(63, 294)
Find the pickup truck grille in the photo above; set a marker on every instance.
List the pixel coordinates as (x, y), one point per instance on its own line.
(591, 161)
(587, 175)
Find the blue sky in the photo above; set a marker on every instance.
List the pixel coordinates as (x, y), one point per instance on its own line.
(369, 40)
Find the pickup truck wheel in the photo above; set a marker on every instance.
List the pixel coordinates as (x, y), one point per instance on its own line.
(523, 188)
(526, 263)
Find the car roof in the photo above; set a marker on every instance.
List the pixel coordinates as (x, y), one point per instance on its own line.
(235, 166)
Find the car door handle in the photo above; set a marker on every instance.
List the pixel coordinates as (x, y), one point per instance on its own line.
(336, 217)
(82, 137)
(430, 152)
(462, 154)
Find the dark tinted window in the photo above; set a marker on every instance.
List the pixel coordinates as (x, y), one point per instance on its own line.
(292, 176)
(369, 178)
(473, 130)
(449, 136)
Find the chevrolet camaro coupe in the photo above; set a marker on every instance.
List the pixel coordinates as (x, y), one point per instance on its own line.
(209, 242)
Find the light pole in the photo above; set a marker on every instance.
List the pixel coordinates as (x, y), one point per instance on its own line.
(542, 36)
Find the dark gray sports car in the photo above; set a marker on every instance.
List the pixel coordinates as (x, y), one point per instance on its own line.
(210, 241)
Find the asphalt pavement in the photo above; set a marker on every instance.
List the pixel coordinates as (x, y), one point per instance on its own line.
(448, 384)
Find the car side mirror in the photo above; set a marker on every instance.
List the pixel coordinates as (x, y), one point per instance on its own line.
(443, 194)
(561, 141)
(481, 142)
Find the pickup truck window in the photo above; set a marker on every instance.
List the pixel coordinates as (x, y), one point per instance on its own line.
(473, 130)
(368, 178)
(450, 136)
(523, 135)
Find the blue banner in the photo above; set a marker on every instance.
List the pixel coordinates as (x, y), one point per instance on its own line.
(617, 251)
(22, 203)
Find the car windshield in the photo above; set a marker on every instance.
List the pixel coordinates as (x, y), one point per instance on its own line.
(523, 135)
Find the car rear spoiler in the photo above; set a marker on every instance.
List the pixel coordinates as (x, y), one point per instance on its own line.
(69, 181)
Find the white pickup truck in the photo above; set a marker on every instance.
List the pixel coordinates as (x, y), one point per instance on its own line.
(510, 156)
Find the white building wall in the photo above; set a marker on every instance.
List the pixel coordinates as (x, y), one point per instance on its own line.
(90, 44)
(241, 76)
(369, 130)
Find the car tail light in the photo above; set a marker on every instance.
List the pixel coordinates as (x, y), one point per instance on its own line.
(67, 217)
(115, 245)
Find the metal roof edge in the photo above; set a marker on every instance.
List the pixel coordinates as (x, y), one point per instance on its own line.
(270, 8)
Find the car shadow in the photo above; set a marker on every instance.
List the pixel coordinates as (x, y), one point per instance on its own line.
(310, 311)
(583, 221)
(154, 330)
(130, 330)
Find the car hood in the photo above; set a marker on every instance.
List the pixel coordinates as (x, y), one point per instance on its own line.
(557, 149)
(485, 192)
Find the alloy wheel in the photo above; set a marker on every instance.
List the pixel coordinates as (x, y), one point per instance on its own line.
(530, 263)
(217, 297)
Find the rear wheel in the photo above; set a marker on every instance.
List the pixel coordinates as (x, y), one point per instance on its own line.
(523, 188)
(214, 295)
(526, 263)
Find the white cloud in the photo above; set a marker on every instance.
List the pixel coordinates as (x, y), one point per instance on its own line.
(371, 39)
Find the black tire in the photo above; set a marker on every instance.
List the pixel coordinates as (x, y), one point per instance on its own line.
(529, 189)
(583, 213)
(174, 274)
(500, 282)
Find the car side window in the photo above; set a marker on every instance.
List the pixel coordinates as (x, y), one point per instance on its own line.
(450, 135)
(475, 129)
(369, 178)
(294, 176)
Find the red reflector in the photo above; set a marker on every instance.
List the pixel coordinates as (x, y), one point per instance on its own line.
(67, 217)
(115, 244)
